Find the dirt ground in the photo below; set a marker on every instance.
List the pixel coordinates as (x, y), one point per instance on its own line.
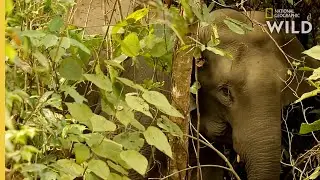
(94, 15)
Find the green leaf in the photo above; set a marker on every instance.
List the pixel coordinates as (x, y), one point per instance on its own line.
(57, 53)
(216, 51)
(307, 128)
(120, 58)
(114, 64)
(102, 81)
(160, 101)
(41, 59)
(315, 75)
(135, 160)
(70, 167)
(290, 2)
(155, 137)
(313, 52)
(55, 24)
(242, 24)
(49, 175)
(105, 148)
(131, 84)
(91, 176)
(315, 174)
(82, 152)
(81, 113)
(114, 176)
(33, 33)
(50, 40)
(33, 168)
(135, 123)
(117, 168)
(72, 129)
(76, 43)
(101, 124)
(130, 46)
(130, 140)
(73, 93)
(308, 94)
(169, 126)
(65, 42)
(234, 27)
(138, 104)
(159, 49)
(70, 69)
(195, 87)
(139, 14)
(125, 116)
(99, 168)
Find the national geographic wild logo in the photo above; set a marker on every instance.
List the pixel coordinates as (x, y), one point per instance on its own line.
(289, 26)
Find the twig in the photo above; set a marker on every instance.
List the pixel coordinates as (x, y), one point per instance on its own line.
(219, 154)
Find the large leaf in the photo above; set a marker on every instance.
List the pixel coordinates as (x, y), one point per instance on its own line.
(216, 50)
(105, 148)
(315, 75)
(117, 168)
(124, 114)
(81, 46)
(157, 138)
(135, 160)
(307, 128)
(41, 59)
(70, 69)
(101, 124)
(135, 123)
(308, 94)
(159, 49)
(130, 140)
(234, 27)
(50, 40)
(33, 33)
(130, 46)
(114, 176)
(73, 93)
(55, 24)
(138, 104)
(81, 113)
(99, 168)
(70, 167)
(160, 101)
(315, 174)
(130, 83)
(169, 126)
(102, 81)
(313, 52)
(33, 168)
(57, 53)
(82, 152)
(139, 14)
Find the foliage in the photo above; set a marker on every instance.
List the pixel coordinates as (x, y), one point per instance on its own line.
(52, 132)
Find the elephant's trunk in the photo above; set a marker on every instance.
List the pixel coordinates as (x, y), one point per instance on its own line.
(258, 141)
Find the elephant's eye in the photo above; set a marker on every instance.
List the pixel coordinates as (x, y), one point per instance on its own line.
(225, 95)
(226, 91)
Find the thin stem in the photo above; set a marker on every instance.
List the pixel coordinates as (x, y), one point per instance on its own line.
(219, 154)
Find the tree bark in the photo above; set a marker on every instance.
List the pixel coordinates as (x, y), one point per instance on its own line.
(181, 79)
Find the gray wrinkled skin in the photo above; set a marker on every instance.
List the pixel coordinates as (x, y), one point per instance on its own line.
(248, 93)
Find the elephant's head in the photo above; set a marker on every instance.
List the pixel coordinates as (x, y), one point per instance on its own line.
(248, 92)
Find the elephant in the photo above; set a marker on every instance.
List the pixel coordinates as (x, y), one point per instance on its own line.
(240, 99)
